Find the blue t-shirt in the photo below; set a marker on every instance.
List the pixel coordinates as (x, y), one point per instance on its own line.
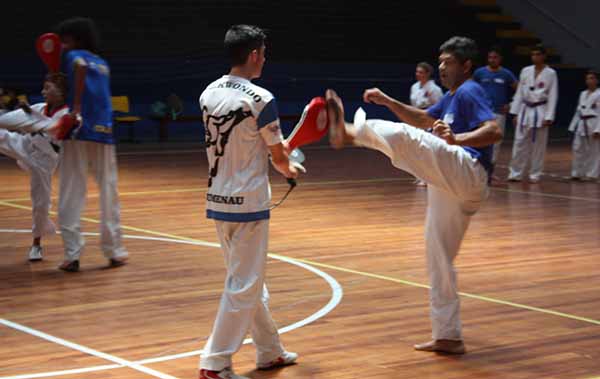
(96, 105)
(464, 111)
(497, 84)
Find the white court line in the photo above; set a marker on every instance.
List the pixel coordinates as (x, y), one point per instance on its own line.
(87, 350)
(336, 298)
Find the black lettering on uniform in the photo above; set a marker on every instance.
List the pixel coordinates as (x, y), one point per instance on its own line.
(257, 98)
(232, 200)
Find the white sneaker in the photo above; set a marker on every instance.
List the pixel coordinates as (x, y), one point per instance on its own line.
(226, 373)
(287, 358)
(35, 254)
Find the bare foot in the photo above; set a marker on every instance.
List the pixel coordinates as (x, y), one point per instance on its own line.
(442, 346)
(335, 115)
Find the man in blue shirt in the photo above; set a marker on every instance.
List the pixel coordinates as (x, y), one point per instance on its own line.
(454, 161)
(90, 144)
(499, 83)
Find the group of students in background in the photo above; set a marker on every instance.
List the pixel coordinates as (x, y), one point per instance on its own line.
(533, 109)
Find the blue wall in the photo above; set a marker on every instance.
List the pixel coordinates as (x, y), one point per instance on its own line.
(149, 80)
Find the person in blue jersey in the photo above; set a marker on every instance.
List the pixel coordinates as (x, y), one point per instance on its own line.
(499, 83)
(90, 145)
(242, 129)
(454, 160)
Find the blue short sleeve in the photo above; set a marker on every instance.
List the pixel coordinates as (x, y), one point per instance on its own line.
(476, 108)
(477, 75)
(268, 115)
(511, 77)
(437, 109)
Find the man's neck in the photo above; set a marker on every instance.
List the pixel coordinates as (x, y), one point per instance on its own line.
(423, 82)
(456, 86)
(592, 89)
(539, 67)
(241, 71)
(494, 69)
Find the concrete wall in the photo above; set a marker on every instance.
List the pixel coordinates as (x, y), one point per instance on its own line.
(570, 26)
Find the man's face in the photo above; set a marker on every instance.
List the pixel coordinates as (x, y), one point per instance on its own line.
(52, 94)
(494, 59)
(452, 72)
(68, 42)
(258, 60)
(421, 74)
(591, 81)
(537, 57)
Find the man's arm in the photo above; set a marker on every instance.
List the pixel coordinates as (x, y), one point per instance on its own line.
(411, 115)
(486, 134)
(552, 101)
(281, 162)
(80, 67)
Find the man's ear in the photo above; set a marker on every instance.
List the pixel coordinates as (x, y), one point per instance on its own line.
(253, 56)
(467, 66)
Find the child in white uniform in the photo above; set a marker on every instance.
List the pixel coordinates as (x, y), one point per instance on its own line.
(585, 126)
(23, 137)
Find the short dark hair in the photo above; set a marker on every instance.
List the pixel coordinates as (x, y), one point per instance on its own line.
(496, 49)
(462, 48)
(539, 47)
(426, 66)
(83, 31)
(59, 80)
(240, 40)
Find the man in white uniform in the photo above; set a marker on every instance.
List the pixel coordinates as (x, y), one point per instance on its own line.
(424, 93)
(455, 161)
(534, 106)
(585, 126)
(23, 137)
(242, 128)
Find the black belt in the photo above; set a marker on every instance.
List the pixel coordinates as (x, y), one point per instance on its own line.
(54, 146)
(533, 105)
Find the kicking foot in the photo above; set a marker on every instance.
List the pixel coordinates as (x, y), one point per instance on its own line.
(442, 346)
(335, 116)
(286, 359)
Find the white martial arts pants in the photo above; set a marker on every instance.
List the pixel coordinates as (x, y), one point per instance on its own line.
(457, 185)
(501, 120)
(34, 154)
(529, 148)
(76, 156)
(244, 302)
(586, 157)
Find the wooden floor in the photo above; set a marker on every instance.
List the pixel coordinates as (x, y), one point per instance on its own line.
(529, 270)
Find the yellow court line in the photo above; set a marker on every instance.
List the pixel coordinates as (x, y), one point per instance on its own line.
(350, 271)
(334, 182)
(464, 294)
(200, 189)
